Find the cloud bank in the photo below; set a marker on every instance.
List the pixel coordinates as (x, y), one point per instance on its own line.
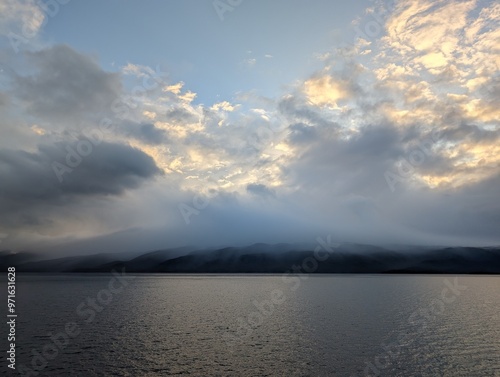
(393, 140)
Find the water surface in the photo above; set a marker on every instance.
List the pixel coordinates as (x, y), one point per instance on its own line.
(209, 325)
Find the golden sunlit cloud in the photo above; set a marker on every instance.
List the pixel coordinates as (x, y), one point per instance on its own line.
(325, 91)
(224, 105)
(149, 114)
(435, 69)
(176, 88)
(38, 130)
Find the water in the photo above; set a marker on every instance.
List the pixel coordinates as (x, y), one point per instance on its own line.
(198, 325)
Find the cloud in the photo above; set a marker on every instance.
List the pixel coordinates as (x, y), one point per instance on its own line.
(326, 91)
(331, 164)
(260, 190)
(176, 88)
(301, 133)
(65, 84)
(418, 26)
(23, 17)
(29, 180)
(422, 106)
(224, 105)
(144, 132)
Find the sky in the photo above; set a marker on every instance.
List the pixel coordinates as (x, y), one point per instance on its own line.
(129, 126)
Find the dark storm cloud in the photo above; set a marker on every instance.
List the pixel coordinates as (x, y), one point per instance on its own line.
(260, 190)
(146, 132)
(468, 133)
(4, 99)
(296, 109)
(344, 181)
(435, 152)
(491, 91)
(301, 133)
(356, 164)
(64, 84)
(29, 179)
(469, 213)
(181, 116)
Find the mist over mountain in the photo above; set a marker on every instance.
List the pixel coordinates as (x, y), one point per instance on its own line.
(277, 258)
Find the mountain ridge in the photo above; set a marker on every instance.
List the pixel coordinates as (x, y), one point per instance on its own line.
(269, 258)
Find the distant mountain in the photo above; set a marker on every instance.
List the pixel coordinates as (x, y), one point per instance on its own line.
(279, 258)
(8, 258)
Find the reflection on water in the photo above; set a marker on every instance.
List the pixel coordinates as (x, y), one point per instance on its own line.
(348, 325)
